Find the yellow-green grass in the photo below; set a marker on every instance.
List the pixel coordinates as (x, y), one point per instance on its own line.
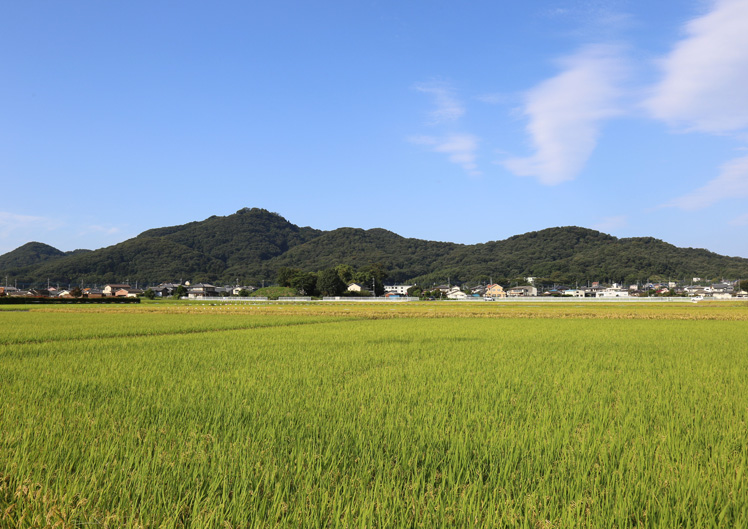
(350, 416)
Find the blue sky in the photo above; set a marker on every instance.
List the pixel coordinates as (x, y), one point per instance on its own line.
(463, 122)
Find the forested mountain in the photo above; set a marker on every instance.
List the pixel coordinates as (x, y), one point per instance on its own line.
(32, 253)
(403, 258)
(254, 244)
(247, 237)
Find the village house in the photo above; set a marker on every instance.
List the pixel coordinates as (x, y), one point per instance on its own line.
(202, 290)
(522, 291)
(111, 289)
(164, 289)
(722, 295)
(494, 291)
(612, 293)
(456, 293)
(721, 288)
(697, 290)
(128, 292)
(397, 289)
(480, 290)
(236, 290)
(355, 287)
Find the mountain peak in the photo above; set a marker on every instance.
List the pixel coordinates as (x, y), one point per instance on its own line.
(253, 244)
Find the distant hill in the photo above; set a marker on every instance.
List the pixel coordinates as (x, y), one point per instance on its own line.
(251, 245)
(33, 253)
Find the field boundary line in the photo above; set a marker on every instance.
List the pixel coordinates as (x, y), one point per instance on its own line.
(177, 333)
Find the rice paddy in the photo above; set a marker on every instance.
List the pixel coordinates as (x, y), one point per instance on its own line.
(410, 415)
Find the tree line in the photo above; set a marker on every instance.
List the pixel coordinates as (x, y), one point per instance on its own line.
(334, 281)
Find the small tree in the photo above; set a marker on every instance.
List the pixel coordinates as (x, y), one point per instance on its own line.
(180, 291)
(149, 294)
(76, 292)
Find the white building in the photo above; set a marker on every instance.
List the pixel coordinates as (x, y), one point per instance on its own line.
(401, 290)
(722, 295)
(613, 293)
(456, 293)
(522, 291)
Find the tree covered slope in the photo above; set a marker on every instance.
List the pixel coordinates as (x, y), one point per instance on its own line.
(253, 244)
(31, 254)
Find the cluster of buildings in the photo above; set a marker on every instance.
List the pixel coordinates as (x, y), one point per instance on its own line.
(723, 290)
(111, 290)
(198, 291)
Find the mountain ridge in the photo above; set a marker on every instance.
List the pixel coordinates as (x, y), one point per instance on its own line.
(253, 244)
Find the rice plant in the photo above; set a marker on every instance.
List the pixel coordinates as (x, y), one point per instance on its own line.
(306, 417)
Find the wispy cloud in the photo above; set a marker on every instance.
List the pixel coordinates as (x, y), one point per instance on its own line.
(592, 20)
(741, 220)
(495, 98)
(703, 89)
(11, 222)
(609, 224)
(460, 149)
(106, 230)
(565, 113)
(705, 76)
(447, 107)
(732, 182)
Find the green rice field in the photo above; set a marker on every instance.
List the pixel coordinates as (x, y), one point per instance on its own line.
(176, 415)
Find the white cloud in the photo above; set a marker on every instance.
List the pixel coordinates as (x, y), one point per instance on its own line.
(111, 230)
(741, 220)
(732, 182)
(460, 148)
(448, 107)
(609, 224)
(706, 74)
(10, 222)
(565, 114)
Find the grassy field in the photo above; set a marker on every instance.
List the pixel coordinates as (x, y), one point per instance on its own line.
(403, 415)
